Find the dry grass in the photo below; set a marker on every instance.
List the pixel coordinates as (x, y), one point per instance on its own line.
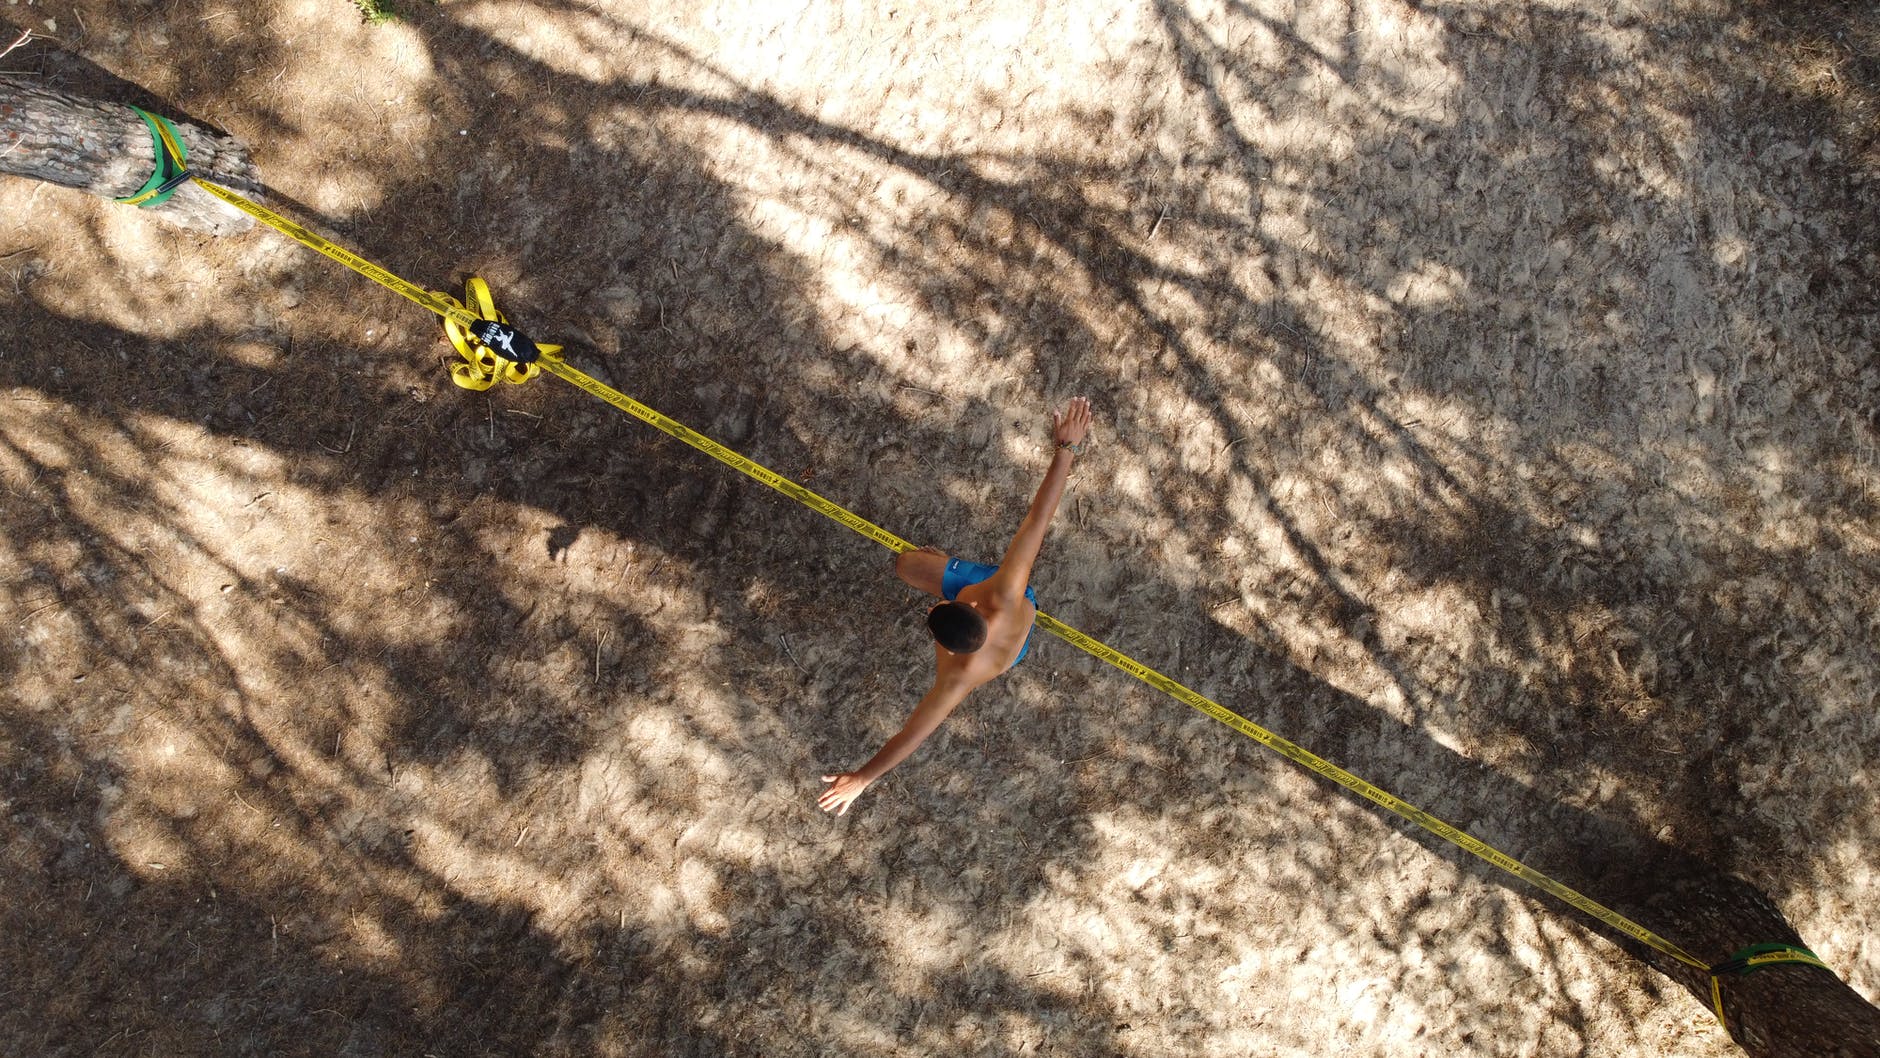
(1487, 402)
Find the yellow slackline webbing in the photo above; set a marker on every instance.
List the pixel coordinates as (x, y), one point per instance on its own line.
(551, 362)
(441, 304)
(1174, 689)
(484, 367)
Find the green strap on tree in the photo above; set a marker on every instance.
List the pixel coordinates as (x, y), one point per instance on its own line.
(171, 171)
(1753, 958)
(1758, 956)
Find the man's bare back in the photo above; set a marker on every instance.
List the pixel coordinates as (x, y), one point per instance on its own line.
(987, 616)
(1008, 627)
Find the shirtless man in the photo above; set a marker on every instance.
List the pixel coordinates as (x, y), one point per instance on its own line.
(983, 624)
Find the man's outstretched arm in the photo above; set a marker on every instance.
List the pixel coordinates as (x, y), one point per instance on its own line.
(1068, 427)
(935, 707)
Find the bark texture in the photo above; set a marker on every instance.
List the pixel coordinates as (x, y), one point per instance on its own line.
(105, 149)
(1787, 1011)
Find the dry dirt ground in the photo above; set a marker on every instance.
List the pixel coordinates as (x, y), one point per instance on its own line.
(1486, 397)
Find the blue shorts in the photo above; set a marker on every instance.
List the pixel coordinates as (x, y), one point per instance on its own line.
(959, 573)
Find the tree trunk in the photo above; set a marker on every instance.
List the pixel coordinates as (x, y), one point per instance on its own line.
(1784, 1011)
(105, 149)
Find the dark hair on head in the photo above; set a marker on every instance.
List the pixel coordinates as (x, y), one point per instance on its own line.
(957, 627)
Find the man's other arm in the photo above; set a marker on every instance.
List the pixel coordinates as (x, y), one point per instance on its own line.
(1069, 427)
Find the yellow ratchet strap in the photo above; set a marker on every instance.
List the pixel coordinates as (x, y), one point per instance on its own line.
(483, 366)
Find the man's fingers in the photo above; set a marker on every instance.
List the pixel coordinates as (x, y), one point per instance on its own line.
(831, 799)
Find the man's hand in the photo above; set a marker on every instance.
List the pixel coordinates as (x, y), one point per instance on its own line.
(838, 797)
(1072, 425)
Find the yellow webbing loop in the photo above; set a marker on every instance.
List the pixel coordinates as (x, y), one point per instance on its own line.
(482, 367)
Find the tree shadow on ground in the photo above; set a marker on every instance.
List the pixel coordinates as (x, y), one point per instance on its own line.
(485, 958)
